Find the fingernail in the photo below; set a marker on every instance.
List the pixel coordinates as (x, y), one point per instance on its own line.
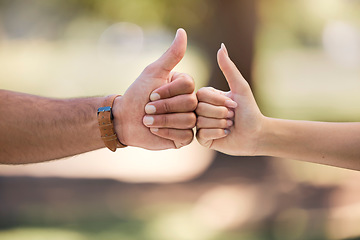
(226, 131)
(224, 49)
(148, 120)
(154, 129)
(230, 114)
(150, 109)
(230, 104)
(154, 96)
(177, 32)
(229, 123)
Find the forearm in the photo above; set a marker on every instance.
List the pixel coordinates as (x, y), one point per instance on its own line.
(36, 129)
(336, 144)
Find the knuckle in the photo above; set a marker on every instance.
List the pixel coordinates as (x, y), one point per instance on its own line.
(190, 136)
(194, 101)
(168, 91)
(187, 137)
(224, 112)
(149, 68)
(181, 75)
(191, 120)
(167, 107)
(203, 92)
(188, 83)
(200, 92)
(200, 122)
(184, 137)
(184, 83)
(223, 123)
(199, 108)
(161, 120)
(191, 102)
(219, 132)
(165, 120)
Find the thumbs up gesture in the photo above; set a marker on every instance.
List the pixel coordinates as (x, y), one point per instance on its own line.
(229, 122)
(166, 122)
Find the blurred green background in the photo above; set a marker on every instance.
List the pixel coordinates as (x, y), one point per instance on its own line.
(302, 59)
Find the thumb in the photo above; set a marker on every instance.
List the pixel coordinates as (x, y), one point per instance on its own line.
(172, 56)
(236, 81)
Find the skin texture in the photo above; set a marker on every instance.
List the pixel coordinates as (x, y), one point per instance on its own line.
(232, 123)
(36, 129)
(176, 89)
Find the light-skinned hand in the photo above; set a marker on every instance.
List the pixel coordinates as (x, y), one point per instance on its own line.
(229, 122)
(171, 118)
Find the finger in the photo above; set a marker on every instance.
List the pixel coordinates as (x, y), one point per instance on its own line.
(212, 111)
(180, 137)
(236, 81)
(177, 104)
(215, 97)
(212, 134)
(203, 142)
(163, 66)
(180, 83)
(204, 122)
(172, 120)
(206, 136)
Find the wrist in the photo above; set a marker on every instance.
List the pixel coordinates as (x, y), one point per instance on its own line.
(106, 124)
(266, 138)
(119, 120)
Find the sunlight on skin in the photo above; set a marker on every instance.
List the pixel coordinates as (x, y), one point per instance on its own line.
(74, 68)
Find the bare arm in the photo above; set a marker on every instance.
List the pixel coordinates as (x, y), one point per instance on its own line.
(231, 122)
(35, 129)
(336, 144)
